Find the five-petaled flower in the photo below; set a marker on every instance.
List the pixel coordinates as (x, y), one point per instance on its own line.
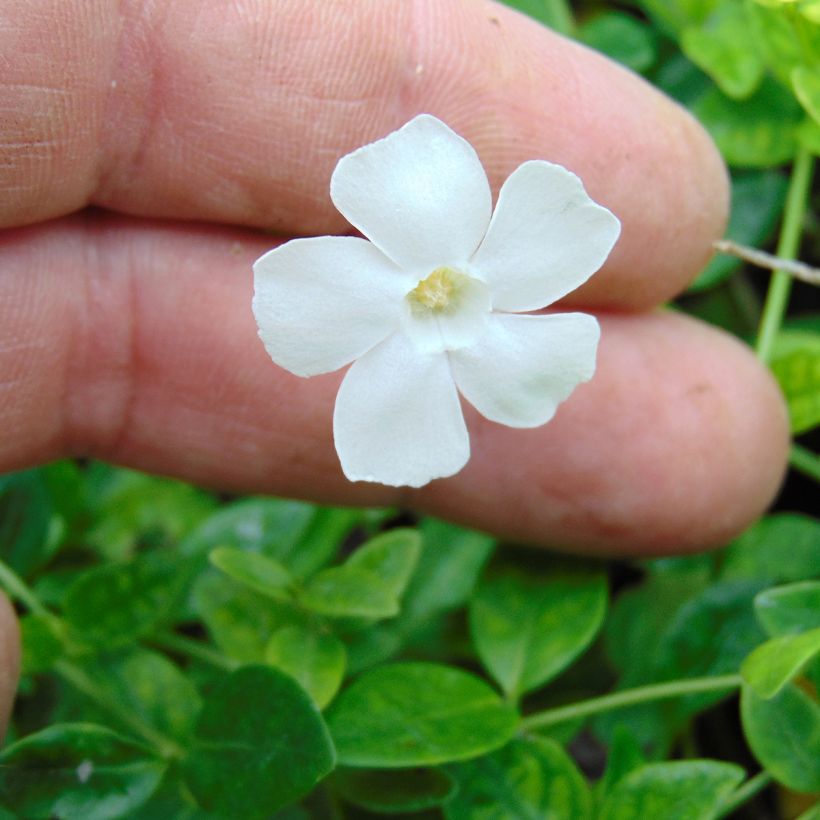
(437, 302)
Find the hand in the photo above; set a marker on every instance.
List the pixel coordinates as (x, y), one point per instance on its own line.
(126, 331)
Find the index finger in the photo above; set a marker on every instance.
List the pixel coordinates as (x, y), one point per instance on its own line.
(238, 113)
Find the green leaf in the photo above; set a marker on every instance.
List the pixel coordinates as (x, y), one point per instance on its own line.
(392, 556)
(40, 644)
(808, 135)
(621, 37)
(260, 745)
(775, 663)
(25, 516)
(796, 366)
(260, 573)
(679, 790)
(552, 13)
(784, 734)
(131, 508)
(624, 756)
(777, 549)
(111, 605)
(710, 634)
(418, 714)
(806, 85)
(758, 198)
(451, 562)
(149, 686)
(528, 629)
(239, 620)
(315, 660)
(77, 771)
(757, 132)
(532, 778)
(673, 15)
(789, 609)
(773, 36)
(348, 591)
(721, 48)
(394, 791)
(300, 536)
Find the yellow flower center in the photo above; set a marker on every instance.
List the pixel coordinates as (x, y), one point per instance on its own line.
(436, 293)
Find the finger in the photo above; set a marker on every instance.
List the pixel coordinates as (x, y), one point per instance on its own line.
(137, 344)
(9, 661)
(238, 113)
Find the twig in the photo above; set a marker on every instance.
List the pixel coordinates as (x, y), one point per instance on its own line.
(799, 270)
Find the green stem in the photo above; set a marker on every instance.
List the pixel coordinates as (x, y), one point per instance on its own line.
(18, 590)
(193, 649)
(165, 746)
(805, 461)
(558, 16)
(777, 298)
(629, 697)
(745, 793)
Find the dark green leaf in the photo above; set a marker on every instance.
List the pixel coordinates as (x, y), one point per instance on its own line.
(418, 714)
(150, 687)
(260, 745)
(528, 629)
(314, 659)
(757, 202)
(451, 561)
(394, 791)
(680, 790)
(41, 643)
(532, 778)
(130, 507)
(624, 756)
(784, 734)
(774, 664)
(777, 549)
(78, 772)
(113, 604)
(392, 556)
(25, 517)
(260, 573)
(789, 609)
(721, 48)
(757, 132)
(348, 591)
(710, 634)
(621, 37)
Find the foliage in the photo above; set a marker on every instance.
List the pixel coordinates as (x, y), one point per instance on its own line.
(186, 656)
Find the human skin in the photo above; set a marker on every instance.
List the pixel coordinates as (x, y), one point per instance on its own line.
(193, 127)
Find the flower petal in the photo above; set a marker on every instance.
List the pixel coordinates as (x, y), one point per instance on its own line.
(525, 366)
(420, 194)
(545, 239)
(398, 419)
(322, 302)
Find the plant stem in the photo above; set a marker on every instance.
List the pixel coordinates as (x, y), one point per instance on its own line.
(805, 461)
(744, 793)
(193, 649)
(780, 284)
(165, 746)
(18, 590)
(558, 16)
(629, 697)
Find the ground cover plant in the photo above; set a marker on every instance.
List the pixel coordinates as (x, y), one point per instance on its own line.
(188, 655)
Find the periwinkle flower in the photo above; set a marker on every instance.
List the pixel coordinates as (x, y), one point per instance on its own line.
(437, 302)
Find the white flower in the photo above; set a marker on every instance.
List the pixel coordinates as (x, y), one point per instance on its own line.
(432, 305)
